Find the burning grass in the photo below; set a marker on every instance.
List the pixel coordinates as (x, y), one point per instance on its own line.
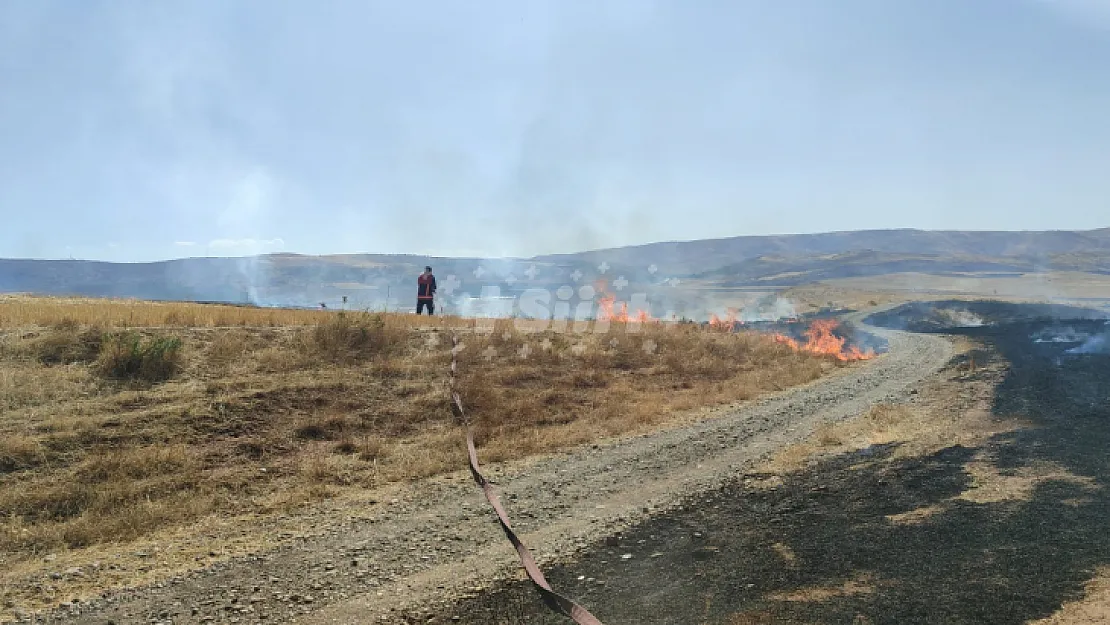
(822, 339)
(821, 336)
(261, 416)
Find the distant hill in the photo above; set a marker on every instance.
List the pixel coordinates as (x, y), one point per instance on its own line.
(750, 261)
(689, 257)
(796, 270)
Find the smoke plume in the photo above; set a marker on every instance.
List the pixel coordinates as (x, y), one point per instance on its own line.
(1097, 344)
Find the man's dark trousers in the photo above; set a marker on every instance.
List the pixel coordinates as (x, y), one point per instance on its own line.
(421, 303)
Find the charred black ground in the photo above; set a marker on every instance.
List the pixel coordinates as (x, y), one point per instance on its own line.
(958, 315)
(996, 563)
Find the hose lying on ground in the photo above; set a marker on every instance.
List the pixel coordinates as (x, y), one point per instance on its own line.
(552, 599)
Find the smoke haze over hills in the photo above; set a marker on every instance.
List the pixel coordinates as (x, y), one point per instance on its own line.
(757, 264)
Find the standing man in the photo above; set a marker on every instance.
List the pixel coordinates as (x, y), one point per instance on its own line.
(425, 291)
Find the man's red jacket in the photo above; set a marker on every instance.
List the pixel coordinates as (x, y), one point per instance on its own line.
(425, 286)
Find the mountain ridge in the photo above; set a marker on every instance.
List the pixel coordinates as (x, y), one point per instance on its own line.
(777, 260)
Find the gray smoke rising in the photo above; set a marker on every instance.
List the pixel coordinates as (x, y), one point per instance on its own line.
(1097, 344)
(961, 318)
(1060, 335)
(771, 308)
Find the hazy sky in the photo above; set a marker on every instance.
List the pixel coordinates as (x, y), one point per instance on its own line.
(136, 130)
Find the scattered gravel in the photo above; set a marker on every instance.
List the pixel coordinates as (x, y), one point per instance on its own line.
(438, 543)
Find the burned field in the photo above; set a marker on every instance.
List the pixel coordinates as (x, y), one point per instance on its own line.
(983, 501)
(954, 316)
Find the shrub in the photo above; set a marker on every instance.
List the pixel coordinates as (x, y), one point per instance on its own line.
(67, 344)
(18, 452)
(346, 337)
(127, 356)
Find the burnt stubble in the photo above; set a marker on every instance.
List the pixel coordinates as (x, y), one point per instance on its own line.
(822, 547)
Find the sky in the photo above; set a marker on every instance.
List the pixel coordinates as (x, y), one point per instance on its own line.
(135, 131)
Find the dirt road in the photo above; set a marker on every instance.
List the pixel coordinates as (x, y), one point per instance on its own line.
(983, 501)
(408, 557)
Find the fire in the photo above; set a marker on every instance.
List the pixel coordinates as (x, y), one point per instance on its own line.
(820, 339)
(786, 340)
(727, 324)
(609, 310)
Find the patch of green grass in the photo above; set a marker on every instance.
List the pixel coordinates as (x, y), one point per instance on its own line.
(128, 356)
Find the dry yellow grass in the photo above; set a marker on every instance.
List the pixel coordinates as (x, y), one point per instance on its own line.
(990, 484)
(862, 584)
(269, 409)
(1093, 608)
(919, 428)
(20, 310)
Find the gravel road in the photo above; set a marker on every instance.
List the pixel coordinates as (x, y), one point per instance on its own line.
(406, 558)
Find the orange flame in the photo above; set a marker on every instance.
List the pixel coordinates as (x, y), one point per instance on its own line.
(725, 324)
(821, 340)
(609, 310)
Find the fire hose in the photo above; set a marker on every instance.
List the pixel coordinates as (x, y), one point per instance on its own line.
(552, 599)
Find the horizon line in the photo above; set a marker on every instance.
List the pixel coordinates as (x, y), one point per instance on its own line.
(558, 254)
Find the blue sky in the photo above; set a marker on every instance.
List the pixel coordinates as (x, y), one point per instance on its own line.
(133, 130)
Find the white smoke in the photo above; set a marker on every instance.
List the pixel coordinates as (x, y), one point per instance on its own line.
(1094, 345)
(1097, 344)
(766, 310)
(1060, 335)
(961, 318)
(486, 306)
(770, 309)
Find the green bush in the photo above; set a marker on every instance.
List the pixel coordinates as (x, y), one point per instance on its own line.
(127, 356)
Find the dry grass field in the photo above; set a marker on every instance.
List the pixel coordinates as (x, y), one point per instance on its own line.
(19, 311)
(119, 419)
